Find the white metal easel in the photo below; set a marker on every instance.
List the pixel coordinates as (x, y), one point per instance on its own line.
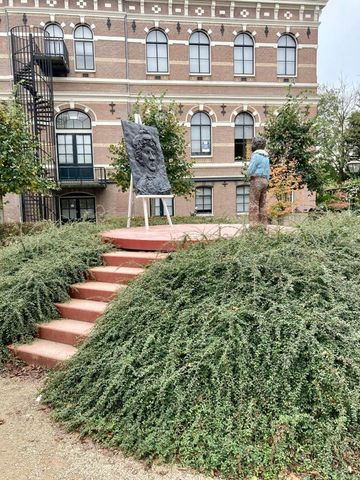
(145, 198)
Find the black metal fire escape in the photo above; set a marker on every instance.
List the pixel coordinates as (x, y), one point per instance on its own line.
(33, 57)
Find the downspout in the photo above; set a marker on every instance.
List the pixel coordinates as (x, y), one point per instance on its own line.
(126, 57)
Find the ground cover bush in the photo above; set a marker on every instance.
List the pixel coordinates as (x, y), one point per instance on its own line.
(238, 357)
(35, 272)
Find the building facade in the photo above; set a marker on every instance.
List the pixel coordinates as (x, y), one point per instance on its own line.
(227, 64)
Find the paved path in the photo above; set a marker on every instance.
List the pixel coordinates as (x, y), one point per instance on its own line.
(32, 447)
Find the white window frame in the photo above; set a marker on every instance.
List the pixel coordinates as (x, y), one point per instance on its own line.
(280, 75)
(254, 56)
(168, 54)
(74, 49)
(210, 59)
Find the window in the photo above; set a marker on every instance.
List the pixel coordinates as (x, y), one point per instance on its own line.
(286, 56)
(200, 134)
(199, 54)
(244, 133)
(242, 198)
(244, 54)
(74, 146)
(77, 208)
(157, 208)
(54, 42)
(84, 48)
(157, 52)
(203, 200)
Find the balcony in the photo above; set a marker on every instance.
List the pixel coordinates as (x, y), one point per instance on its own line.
(56, 51)
(84, 176)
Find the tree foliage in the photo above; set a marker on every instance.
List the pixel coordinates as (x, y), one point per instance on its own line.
(282, 183)
(156, 113)
(353, 134)
(20, 169)
(237, 357)
(335, 142)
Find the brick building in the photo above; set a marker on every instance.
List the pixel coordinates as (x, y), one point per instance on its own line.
(226, 63)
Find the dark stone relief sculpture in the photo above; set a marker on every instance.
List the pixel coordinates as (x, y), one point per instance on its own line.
(146, 159)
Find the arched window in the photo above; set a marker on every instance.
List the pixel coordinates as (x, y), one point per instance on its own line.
(244, 133)
(157, 52)
(200, 134)
(244, 54)
(203, 200)
(84, 48)
(199, 53)
(74, 146)
(286, 55)
(54, 43)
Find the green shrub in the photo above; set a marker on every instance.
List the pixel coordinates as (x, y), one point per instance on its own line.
(239, 358)
(35, 272)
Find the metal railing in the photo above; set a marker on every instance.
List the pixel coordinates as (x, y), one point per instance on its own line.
(55, 47)
(78, 175)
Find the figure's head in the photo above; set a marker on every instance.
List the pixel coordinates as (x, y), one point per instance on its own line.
(258, 143)
(146, 151)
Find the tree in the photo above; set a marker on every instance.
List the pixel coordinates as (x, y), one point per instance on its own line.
(172, 138)
(353, 134)
(20, 168)
(335, 109)
(282, 183)
(290, 132)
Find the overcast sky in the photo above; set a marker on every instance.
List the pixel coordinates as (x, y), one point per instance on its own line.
(339, 42)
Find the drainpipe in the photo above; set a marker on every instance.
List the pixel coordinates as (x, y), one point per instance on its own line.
(126, 57)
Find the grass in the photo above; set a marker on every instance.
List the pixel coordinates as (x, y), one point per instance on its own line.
(240, 358)
(35, 272)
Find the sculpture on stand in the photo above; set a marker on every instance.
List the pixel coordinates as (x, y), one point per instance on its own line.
(147, 164)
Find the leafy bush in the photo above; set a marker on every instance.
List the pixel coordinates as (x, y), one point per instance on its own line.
(11, 231)
(35, 272)
(239, 358)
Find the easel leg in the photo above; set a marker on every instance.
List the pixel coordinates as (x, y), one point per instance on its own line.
(166, 212)
(146, 217)
(130, 202)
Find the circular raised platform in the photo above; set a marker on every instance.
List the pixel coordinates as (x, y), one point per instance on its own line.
(165, 238)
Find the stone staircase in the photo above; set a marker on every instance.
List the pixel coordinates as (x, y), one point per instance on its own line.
(57, 340)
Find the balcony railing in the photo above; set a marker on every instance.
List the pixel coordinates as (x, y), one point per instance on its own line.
(74, 175)
(55, 48)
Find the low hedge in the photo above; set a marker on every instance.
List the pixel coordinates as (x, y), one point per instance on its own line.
(35, 272)
(240, 358)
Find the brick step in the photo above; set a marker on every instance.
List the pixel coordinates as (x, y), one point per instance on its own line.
(83, 310)
(114, 274)
(132, 259)
(43, 352)
(65, 330)
(98, 291)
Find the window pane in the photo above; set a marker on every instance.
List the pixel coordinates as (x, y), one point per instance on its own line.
(152, 65)
(195, 133)
(163, 66)
(151, 50)
(290, 54)
(194, 66)
(248, 53)
(204, 53)
(204, 66)
(281, 54)
(281, 68)
(195, 146)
